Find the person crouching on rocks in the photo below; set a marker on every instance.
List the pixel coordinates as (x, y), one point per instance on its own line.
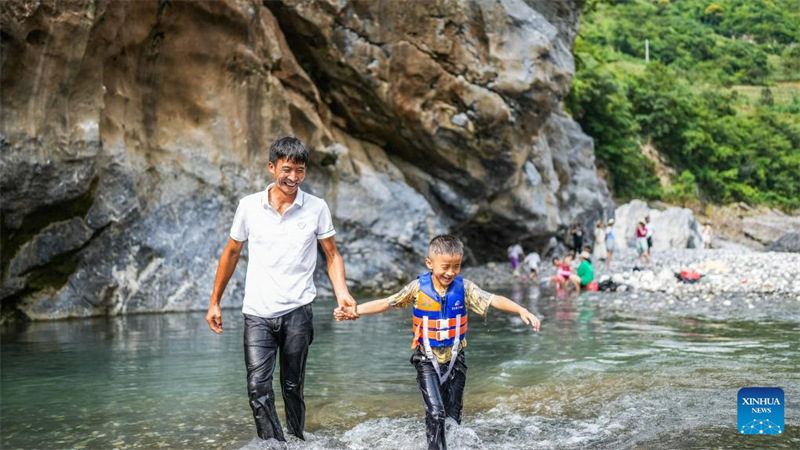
(566, 276)
(441, 300)
(585, 270)
(532, 260)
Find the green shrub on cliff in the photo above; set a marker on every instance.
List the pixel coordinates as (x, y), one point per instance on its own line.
(727, 146)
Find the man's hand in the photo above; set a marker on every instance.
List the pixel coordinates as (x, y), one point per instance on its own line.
(529, 319)
(347, 301)
(214, 318)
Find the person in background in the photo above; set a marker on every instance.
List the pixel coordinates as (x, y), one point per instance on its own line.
(588, 249)
(566, 276)
(611, 245)
(585, 270)
(707, 234)
(600, 253)
(532, 261)
(577, 237)
(515, 254)
(641, 243)
(555, 278)
(648, 226)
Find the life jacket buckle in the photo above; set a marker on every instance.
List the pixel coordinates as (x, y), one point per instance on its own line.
(442, 335)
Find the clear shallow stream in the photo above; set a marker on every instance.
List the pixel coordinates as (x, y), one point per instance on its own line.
(589, 379)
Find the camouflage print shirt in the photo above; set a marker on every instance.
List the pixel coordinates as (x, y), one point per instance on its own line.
(476, 300)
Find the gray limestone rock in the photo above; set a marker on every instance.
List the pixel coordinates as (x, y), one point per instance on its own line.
(674, 228)
(129, 133)
(789, 242)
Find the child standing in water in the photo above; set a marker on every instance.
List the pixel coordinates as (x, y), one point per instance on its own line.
(441, 300)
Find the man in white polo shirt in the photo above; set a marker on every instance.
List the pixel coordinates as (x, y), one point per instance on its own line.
(282, 225)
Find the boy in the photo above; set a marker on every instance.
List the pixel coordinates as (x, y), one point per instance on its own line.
(440, 299)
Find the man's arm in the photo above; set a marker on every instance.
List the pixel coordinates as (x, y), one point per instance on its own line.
(336, 272)
(227, 265)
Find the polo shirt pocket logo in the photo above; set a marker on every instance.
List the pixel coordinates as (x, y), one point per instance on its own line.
(301, 225)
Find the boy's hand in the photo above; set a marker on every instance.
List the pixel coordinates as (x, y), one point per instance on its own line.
(345, 313)
(529, 319)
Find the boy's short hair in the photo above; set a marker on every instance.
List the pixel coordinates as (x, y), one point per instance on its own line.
(290, 148)
(444, 244)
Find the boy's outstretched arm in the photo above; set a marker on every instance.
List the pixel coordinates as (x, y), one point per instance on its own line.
(354, 312)
(504, 304)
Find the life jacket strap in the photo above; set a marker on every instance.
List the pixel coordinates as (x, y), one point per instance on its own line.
(442, 335)
(453, 350)
(428, 352)
(442, 323)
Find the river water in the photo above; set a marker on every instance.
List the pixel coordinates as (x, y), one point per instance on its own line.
(588, 379)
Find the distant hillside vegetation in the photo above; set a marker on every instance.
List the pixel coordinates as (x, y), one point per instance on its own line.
(719, 99)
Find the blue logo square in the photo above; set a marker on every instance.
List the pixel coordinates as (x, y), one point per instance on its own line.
(760, 410)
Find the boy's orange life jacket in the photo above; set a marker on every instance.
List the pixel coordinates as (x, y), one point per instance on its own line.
(443, 323)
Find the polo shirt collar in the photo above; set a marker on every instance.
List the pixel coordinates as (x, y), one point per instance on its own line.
(299, 199)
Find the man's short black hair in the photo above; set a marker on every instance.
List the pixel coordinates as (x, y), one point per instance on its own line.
(290, 148)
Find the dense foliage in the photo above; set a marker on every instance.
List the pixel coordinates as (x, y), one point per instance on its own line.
(719, 99)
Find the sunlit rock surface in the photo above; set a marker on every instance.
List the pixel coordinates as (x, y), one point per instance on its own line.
(129, 130)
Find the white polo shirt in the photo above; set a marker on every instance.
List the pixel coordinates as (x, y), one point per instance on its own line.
(282, 251)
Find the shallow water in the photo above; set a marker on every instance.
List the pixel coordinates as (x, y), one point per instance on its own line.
(588, 379)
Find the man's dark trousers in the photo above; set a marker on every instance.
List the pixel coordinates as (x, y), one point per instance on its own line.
(290, 336)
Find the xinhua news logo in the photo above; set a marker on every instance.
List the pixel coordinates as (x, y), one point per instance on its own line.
(760, 411)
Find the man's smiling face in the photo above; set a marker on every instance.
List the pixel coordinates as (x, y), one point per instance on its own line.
(288, 175)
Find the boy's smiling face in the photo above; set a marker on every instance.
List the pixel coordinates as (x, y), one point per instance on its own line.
(444, 268)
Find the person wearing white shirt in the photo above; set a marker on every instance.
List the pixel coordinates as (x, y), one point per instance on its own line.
(532, 261)
(282, 226)
(650, 230)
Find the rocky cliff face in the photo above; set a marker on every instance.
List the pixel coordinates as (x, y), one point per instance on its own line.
(130, 129)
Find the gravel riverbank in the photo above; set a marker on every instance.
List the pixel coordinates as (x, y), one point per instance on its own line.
(736, 284)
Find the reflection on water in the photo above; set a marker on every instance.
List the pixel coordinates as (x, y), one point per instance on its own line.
(587, 380)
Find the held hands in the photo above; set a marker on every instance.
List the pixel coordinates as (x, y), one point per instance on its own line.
(345, 313)
(529, 319)
(347, 309)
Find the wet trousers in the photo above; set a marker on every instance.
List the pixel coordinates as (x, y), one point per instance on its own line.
(290, 336)
(440, 401)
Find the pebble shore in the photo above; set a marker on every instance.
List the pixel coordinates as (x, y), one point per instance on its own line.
(736, 284)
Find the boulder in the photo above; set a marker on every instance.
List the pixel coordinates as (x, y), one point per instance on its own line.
(674, 228)
(789, 242)
(769, 227)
